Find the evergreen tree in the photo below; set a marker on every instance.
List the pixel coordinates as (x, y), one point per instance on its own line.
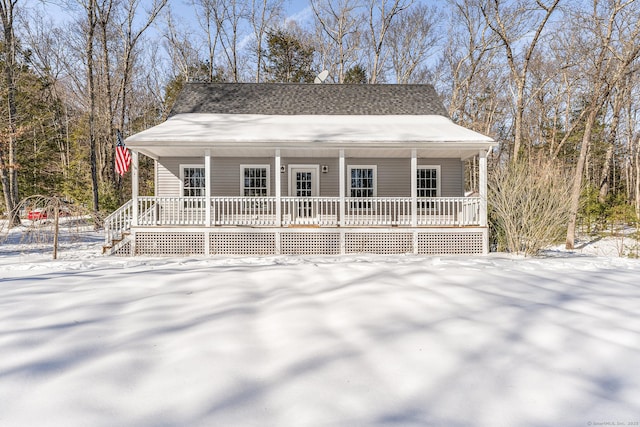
(288, 59)
(356, 74)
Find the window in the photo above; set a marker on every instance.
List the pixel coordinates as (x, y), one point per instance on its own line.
(255, 180)
(428, 183)
(363, 181)
(362, 184)
(193, 180)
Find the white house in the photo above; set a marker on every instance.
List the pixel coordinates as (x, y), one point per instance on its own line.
(305, 169)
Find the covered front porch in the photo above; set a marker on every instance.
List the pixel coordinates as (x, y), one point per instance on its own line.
(302, 223)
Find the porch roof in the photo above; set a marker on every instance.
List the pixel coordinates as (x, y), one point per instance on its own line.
(192, 133)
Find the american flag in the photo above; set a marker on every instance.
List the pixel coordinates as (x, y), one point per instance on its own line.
(123, 158)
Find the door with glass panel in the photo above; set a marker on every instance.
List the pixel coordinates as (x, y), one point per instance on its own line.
(303, 186)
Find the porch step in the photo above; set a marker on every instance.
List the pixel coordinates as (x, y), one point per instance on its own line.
(114, 242)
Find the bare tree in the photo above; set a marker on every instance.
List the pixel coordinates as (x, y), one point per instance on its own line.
(618, 95)
(8, 166)
(607, 60)
(104, 10)
(338, 27)
(474, 79)
(263, 15)
(45, 42)
(208, 13)
(412, 39)
(230, 34)
(180, 47)
(512, 21)
(131, 36)
(380, 16)
(91, 24)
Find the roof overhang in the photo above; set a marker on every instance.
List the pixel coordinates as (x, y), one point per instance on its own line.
(191, 134)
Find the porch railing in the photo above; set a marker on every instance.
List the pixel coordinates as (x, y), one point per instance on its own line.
(247, 211)
(118, 222)
(308, 211)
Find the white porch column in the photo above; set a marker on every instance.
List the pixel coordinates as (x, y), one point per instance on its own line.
(277, 164)
(414, 188)
(482, 190)
(207, 186)
(341, 202)
(341, 190)
(278, 189)
(207, 202)
(482, 187)
(135, 189)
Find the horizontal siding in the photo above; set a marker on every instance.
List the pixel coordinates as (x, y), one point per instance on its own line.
(393, 180)
(169, 181)
(452, 171)
(226, 174)
(394, 175)
(329, 182)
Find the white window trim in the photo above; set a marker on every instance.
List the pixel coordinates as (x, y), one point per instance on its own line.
(375, 177)
(316, 183)
(243, 167)
(438, 176)
(189, 166)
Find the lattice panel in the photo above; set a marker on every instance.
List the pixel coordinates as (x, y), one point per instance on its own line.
(310, 243)
(242, 244)
(169, 243)
(449, 243)
(124, 250)
(379, 243)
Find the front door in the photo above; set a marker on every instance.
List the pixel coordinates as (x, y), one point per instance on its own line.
(303, 185)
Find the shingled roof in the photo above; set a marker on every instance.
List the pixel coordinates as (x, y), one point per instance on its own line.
(312, 99)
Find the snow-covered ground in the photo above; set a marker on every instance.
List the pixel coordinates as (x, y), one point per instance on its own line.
(318, 341)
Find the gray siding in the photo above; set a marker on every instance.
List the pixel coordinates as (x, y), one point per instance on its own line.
(394, 178)
(329, 182)
(452, 171)
(169, 182)
(226, 174)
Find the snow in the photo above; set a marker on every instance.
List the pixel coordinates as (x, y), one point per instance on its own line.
(358, 340)
(263, 129)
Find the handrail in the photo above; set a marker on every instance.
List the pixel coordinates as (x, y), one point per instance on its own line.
(118, 222)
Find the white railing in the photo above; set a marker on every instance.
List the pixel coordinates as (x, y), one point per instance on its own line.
(449, 211)
(248, 211)
(117, 223)
(171, 211)
(318, 211)
(321, 211)
(378, 211)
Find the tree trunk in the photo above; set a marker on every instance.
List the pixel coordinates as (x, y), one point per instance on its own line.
(611, 141)
(577, 179)
(9, 172)
(92, 103)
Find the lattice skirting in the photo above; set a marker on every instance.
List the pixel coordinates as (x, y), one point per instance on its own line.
(379, 243)
(123, 249)
(242, 243)
(169, 243)
(303, 242)
(310, 243)
(450, 243)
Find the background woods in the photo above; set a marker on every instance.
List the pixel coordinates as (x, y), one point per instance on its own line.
(553, 81)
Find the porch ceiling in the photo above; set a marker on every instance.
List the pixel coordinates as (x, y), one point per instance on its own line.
(295, 135)
(158, 152)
